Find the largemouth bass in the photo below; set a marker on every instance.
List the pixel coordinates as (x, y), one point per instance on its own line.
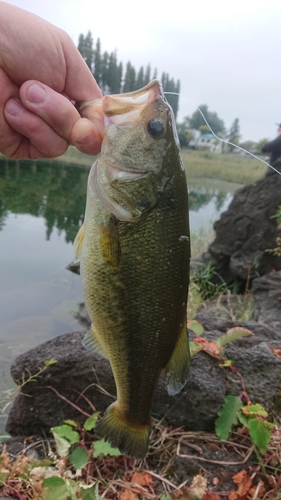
(134, 254)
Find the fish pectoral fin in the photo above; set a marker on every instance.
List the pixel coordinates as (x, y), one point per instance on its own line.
(92, 342)
(131, 438)
(176, 370)
(78, 242)
(110, 244)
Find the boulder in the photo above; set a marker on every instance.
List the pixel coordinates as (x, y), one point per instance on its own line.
(245, 232)
(81, 382)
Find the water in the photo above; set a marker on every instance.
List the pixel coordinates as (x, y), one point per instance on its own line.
(41, 208)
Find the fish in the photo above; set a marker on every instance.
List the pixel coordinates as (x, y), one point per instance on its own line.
(134, 252)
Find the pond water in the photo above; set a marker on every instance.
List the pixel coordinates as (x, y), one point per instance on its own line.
(41, 208)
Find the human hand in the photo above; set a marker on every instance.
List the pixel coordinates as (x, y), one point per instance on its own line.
(41, 75)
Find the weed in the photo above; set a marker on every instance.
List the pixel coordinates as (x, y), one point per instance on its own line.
(277, 250)
(234, 411)
(208, 282)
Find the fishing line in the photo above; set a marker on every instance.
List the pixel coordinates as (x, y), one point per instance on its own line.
(225, 140)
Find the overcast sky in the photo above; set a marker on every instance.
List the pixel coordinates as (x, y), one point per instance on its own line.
(226, 54)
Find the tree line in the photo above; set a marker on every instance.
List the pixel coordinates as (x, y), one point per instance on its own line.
(113, 77)
(232, 135)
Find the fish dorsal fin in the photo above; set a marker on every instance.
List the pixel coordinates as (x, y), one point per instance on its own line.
(78, 242)
(92, 342)
(176, 370)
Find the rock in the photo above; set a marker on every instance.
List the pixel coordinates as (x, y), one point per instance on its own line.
(245, 232)
(79, 376)
(267, 297)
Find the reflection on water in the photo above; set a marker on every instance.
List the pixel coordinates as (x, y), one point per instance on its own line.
(41, 208)
(208, 198)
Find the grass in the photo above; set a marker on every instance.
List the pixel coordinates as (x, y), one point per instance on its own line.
(72, 155)
(225, 167)
(198, 164)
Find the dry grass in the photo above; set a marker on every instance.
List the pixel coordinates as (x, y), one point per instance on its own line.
(224, 167)
(198, 164)
(72, 155)
(121, 478)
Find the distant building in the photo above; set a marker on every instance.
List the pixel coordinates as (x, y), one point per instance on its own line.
(205, 142)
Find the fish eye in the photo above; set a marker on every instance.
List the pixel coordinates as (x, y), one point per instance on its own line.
(155, 128)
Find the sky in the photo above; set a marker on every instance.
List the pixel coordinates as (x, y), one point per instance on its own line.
(225, 54)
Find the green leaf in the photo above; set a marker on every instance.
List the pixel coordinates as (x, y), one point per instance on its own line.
(41, 463)
(53, 482)
(103, 447)
(72, 423)
(91, 422)
(50, 362)
(165, 497)
(195, 327)
(60, 493)
(91, 493)
(233, 334)
(243, 418)
(228, 416)
(66, 432)
(62, 445)
(79, 457)
(255, 410)
(194, 348)
(260, 433)
(71, 488)
(3, 476)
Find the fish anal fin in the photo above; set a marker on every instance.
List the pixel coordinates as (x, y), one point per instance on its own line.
(78, 242)
(109, 243)
(130, 438)
(92, 342)
(176, 370)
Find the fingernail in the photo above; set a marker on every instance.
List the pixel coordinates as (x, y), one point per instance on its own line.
(35, 94)
(87, 140)
(14, 107)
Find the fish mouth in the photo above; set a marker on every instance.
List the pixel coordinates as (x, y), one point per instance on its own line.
(120, 108)
(116, 106)
(121, 175)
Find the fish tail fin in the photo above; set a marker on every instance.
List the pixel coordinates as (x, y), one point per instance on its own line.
(130, 438)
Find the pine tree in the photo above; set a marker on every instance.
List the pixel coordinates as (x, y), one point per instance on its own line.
(170, 86)
(98, 65)
(104, 72)
(234, 134)
(196, 120)
(146, 79)
(140, 78)
(85, 47)
(130, 78)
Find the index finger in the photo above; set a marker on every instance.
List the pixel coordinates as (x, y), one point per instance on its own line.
(62, 116)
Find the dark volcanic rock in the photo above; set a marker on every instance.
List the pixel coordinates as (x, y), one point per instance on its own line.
(79, 373)
(245, 232)
(78, 370)
(267, 297)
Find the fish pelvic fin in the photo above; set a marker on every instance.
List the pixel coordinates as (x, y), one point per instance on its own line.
(92, 342)
(78, 242)
(130, 438)
(176, 370)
